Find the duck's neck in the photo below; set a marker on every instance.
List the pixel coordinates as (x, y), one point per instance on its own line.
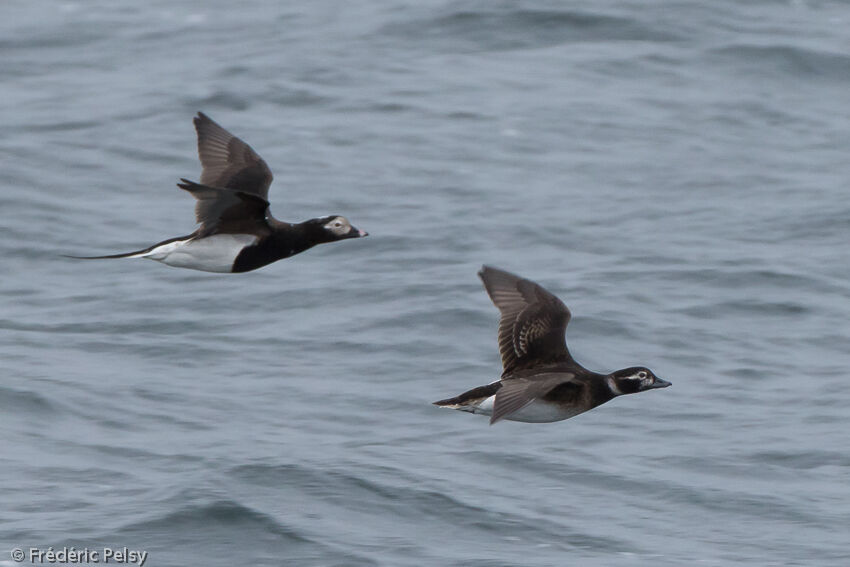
(311, 232)
(284, 241)
(290, 239)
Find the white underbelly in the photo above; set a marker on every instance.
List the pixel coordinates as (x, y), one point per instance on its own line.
(214, 253)
(536, 412)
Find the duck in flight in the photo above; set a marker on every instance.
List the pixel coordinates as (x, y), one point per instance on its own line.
(237, 232)
(541, 382)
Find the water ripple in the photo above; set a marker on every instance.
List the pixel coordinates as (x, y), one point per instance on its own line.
(490, 29)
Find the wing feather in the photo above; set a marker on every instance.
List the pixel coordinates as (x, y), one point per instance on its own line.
(532, 324)
(516, 393)
(225, 210)
(229, 162)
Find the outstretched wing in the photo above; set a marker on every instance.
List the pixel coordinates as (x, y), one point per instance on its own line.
(531, 330)
(229, 162)
(225, 210)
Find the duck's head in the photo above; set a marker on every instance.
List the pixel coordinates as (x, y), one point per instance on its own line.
(634, 379)
(337, 227)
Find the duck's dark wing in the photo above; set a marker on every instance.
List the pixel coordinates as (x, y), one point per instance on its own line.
(229, 162)
(516, 393)
(221, 210)
(531, 330)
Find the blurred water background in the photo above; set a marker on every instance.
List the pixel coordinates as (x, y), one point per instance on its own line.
(677, 172)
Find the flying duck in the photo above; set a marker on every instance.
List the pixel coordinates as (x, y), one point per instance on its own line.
(541, 382)
(237, 231)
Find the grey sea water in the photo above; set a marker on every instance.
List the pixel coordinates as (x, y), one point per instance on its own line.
(677, 172)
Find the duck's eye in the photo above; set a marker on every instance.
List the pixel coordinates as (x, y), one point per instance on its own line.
(337, 224)
(641, 375)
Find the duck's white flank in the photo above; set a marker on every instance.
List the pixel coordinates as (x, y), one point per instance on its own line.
(214, 253)
(536, 412)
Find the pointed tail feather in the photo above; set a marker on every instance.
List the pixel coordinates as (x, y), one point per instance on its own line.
(471, 397)
(449, 403)
(454, 404)
(137, 253)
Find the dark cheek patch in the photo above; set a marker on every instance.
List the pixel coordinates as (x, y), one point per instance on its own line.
(629, 386)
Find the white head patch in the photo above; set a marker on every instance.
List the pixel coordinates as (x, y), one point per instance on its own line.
(338, 225)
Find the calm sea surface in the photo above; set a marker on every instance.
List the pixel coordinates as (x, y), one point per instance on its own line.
(677, 172)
